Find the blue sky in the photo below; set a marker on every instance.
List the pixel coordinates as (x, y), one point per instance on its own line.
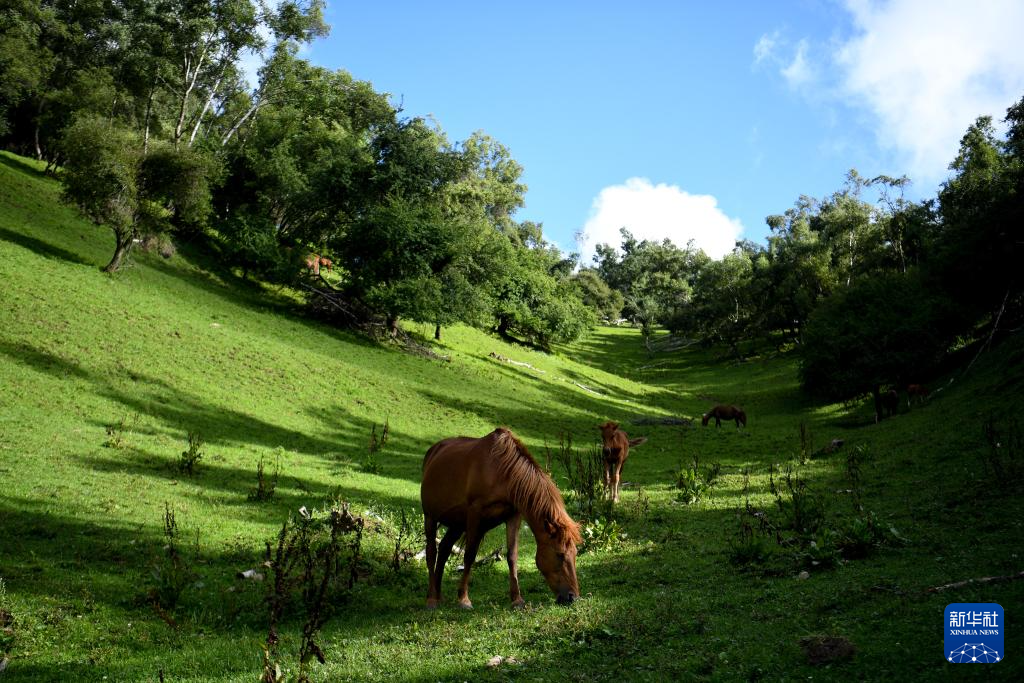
(690, 120)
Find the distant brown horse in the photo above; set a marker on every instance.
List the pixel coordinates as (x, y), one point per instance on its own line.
(918, 391)
(326, 263)
(616, 444)
(724, 413)
(313, 263)
(890, 401)
(473, 485)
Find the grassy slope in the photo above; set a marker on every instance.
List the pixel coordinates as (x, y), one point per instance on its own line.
(175, 347)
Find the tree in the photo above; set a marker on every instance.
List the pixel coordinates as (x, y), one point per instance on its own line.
(878, 331)
(606, 302)
(113, 183)
(655, 278)
(538, 300)
(980, 244)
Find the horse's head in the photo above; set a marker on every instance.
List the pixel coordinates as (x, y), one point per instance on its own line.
(556, 560)
(608, 430)
(704, 419)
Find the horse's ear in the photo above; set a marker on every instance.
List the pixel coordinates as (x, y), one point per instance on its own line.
(550, 528)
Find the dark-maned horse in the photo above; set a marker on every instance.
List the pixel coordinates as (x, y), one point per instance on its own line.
(473, 485)
(615, 447)
(890, 402)
(724, 413)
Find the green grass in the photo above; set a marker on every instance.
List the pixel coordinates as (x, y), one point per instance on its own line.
(170, 347)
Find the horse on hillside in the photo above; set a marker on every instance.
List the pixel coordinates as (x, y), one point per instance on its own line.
(724, 413)
(473, 485)
(890, 402)
(615, 447)
(918, 391)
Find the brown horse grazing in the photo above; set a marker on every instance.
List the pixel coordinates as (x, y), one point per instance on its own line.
(918, 391)
(616, 444)
(724, 413)
(473, 485)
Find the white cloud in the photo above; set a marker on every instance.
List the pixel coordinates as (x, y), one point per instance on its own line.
(926, 69)
(777, 52)
(799, 71)
(765, 47)
(656, 212)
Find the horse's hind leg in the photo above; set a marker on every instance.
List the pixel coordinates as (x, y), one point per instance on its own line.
(512, 542)
(430, 527)
(444, 551)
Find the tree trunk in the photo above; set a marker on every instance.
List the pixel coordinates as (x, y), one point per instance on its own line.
(124, 245)
(39, 115)
(437, 332)
(392, 325)
(206, 108)
(149, 111)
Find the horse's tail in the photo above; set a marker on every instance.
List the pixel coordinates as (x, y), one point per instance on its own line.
(637, 441)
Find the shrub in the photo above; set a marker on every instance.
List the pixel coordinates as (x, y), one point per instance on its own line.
(601, 534)
(584, 471)
(171, 571)
(693, 483)
(190, 457)
(265, 486)
(309, 564)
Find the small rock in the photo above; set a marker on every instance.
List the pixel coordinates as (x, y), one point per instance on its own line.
(498, 660)
(804, 575)
(250, 574)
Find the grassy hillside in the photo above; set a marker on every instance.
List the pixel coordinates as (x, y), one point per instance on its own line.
(102, 378)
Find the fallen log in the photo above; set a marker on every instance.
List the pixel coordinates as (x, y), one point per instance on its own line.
(984, 579)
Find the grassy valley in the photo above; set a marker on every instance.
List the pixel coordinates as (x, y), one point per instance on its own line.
(103, 378)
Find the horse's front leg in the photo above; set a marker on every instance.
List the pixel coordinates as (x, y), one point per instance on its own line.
(473, 538)
(616, 478)
(512, 543)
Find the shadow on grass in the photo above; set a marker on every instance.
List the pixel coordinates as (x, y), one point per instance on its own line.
(42, 361)
(22, 165)
(44, 249)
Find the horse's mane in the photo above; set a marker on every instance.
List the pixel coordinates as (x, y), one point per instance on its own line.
(530, 488)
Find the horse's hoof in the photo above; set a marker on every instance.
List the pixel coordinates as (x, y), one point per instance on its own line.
(465, 605)
(432, 604)
(519, 604)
